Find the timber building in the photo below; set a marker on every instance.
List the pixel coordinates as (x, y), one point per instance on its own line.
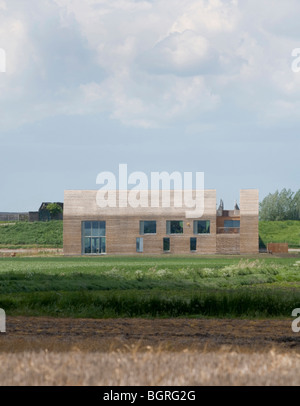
(125, 230)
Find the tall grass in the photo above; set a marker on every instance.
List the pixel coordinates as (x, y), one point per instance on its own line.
(150, 287)
(237, 303)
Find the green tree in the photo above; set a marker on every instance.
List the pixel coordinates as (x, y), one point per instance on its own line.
(296, 205)
(54, 209)
(284, 205)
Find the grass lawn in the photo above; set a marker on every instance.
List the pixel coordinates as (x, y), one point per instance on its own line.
(150, 287)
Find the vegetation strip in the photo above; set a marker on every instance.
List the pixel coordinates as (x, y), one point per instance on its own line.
(150, 287)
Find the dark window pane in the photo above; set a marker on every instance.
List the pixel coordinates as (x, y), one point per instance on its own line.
(232, 223)
(149, 227)
(87, 245)
(102, 245)
(174, 227)
(98, 228)
(166, 244)
(95, 229)
(87, 225)
(102, 226)
(201, 227)
(95, 245)
(227, 223)
(193, 244)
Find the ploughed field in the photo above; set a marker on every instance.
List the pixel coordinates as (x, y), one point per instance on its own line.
(177, 334)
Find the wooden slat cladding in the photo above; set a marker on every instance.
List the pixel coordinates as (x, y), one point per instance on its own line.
(228, 244)
(249, 206)
(278, 247)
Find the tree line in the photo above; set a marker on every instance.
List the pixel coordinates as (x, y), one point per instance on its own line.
(283, 205)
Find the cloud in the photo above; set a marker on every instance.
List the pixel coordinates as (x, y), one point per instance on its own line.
(145, 63)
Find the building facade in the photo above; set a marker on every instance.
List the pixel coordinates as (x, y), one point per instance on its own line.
(125, 230)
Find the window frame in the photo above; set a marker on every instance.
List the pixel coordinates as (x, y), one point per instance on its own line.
(91, 235)
(169, 242)
(193, 238)
(139, 244)
(195, 227)
(232, 222)
(142, 227)
(169, 226)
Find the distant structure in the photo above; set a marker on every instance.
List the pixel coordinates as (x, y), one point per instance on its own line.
(236, 206)
(13, 216)
(43, 214)
(220, 208)
(93, 230)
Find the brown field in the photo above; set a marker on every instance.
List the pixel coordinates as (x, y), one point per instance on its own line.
(50, 351)
(178, 334)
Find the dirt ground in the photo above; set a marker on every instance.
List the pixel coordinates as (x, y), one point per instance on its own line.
(38, 351)
(88, 335)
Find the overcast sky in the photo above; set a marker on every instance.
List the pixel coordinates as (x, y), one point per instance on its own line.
(162, 85)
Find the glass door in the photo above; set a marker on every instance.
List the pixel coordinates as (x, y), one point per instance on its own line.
(95, 245)
(93, 237)
(98, 245)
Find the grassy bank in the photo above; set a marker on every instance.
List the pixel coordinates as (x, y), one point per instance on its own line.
(150, 287)
(280, 231)
(36, 234)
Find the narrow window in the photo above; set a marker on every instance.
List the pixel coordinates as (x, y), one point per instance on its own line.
(166, 244)
(139, 244)
(193, 244)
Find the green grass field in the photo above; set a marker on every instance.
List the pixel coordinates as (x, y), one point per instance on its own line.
(150, 287)
(280, 231)
(37, 234)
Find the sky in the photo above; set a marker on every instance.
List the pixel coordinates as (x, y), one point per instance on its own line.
(161, 85)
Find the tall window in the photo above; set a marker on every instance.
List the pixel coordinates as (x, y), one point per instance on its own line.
(193, 244)
(201, 226)
(139, 244)
(93, 237)
(174, 227)
(147, 227)
(166, 244)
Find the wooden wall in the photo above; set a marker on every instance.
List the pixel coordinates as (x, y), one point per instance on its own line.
(228, 243)
(278, 247)
(249, 207)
